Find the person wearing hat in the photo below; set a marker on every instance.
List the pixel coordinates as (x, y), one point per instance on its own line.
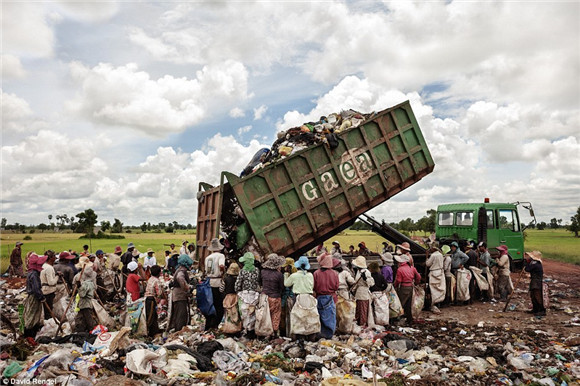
(183, 249)
(405, 279)
(534, 267)
(363, 250)
(335, 248)
(16, 264)
(114, 259)
(448, 276)
(458, 258)
(387, 247)
(484, 262)
(180, 294)
(345, 279)
(325, 287)
(65, 273)
(363, 280)
(214, 267)
(272, 281)
(287, 298)
(33, 303)
(132, 284)
(148, 262)
(405, 249)
(503, 275)
(247, 285)
(48, 281)
(172, 262)
(85, 320)
(302, 283)
(387, 268)
(437, 284)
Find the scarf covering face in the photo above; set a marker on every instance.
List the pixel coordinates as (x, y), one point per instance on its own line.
(185, 260)
(248, 261)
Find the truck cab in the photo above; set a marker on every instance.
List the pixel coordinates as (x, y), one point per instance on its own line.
(494, 223)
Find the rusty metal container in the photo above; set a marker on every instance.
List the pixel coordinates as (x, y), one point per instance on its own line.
(294, 204)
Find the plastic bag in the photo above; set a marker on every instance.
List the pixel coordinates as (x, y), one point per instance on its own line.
(418, 300)
(141, 361)
(304, 318)
(263, 319)
(204, 298)
(345, 313)
(103, 317)
(395, 307)
(463, 279)
(233, 321)
(136, 319)
(381, 308)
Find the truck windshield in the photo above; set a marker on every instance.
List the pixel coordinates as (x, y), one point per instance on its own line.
(445, 218)
(464, 218)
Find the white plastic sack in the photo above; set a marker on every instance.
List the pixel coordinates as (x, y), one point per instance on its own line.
(418, 300)
(50, 327)
(103, 316)
(248, 300)
(263, 318)
(395, 307)
(463, 279)
(141, 361)
(304, 318)
(381, 308)
(481, 281)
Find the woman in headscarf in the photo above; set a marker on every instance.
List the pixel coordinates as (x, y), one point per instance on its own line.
(287, 298)
(247, 285)
(180, 294)
(273, 287)
(325, 287)
(363, 280)
(33, 303)
(132, 284)
(503, 280)
(304, 316)
(85, 320)
(233, 321)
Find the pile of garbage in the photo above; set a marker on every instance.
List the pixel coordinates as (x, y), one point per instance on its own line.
(290, 141)
(434, 352)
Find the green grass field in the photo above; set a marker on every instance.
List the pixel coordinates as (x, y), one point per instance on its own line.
(554, 244)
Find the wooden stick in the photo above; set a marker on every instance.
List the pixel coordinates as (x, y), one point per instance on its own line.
(50, 310)
(74, 292)
(514, 290)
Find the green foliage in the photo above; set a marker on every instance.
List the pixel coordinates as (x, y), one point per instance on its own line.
(169, 229)
(541, 226)
(117, 226)
(574, 226)
(27, 238)
(86, 221)
(101, 235)
(360, 226)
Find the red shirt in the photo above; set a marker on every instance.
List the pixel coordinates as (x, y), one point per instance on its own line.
(132, 286)
(326, 283)
(405, 276)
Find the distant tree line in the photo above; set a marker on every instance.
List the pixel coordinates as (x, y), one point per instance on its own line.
(86, 222)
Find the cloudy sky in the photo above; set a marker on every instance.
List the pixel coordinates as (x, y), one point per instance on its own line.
(125, 107)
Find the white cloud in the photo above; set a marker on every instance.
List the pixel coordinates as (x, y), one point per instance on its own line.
(26, 30)
(244, 129)
(129, 97)
(88, 11)
(17, 116)
(11, 67)
(237, 112)
(259, 112)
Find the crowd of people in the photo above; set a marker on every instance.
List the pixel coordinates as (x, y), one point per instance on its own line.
(265, 296)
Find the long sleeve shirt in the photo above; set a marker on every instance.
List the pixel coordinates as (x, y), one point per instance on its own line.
(33, 286)
(435, 262)
(345, 280)
(326, 283)
(86, 294)
(472, 262)
(181, 289)
(536, 274)
(16, 257)
(484, 261)
(504, 265)
(48, 279)
(406, 274)
(154, 288)
(363, 284)
(302, 282)
(458, 258)
(387, 272)
(67, 273)
(230, 284)
(272, 283)
(447, 265)
(248, 280)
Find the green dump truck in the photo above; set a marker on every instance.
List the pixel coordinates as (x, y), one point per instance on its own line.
(493, 223)
(290, 206)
